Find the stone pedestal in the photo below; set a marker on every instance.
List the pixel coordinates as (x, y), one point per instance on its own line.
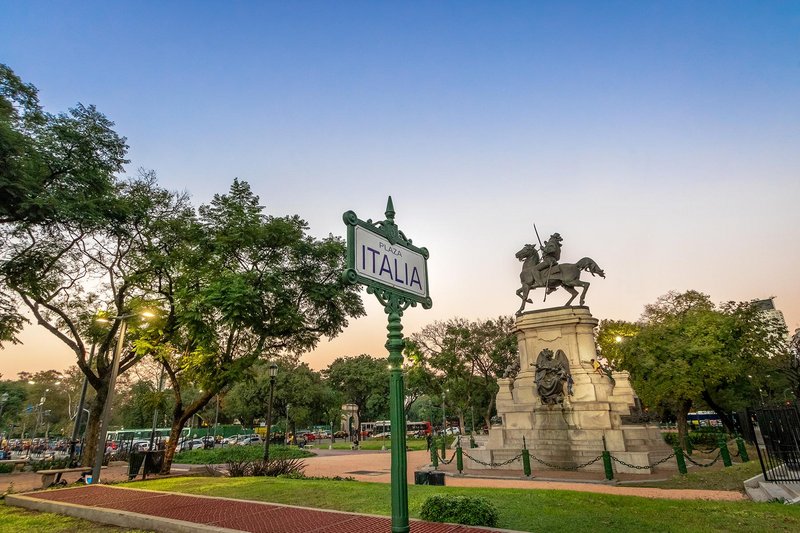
(571, 433)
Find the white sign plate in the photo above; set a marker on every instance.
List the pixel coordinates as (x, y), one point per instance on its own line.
(390, 264)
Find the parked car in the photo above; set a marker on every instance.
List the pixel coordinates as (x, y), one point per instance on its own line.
(310, 437)
(190, 444)
(140, 446)
(341, 435)
(249, 440)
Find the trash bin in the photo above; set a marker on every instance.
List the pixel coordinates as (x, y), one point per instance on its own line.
(421, 477)
(435, 478)
(153, 462)
(135, 463)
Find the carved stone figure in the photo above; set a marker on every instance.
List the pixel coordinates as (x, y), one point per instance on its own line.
(511, 370)
(550, 274)
(551, 374)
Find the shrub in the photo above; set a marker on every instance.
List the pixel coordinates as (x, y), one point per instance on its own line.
(49, 464)
(272, 468)
(701, 439)
(237, 468)
(238, 453)
(467, 510)
(6, 468)
(277, 467)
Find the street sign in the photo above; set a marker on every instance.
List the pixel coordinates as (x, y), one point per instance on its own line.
(381, 257)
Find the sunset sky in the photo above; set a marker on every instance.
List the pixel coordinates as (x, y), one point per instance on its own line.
(662, 139)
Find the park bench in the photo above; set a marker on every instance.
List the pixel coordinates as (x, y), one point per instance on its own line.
(53, 477)
(14, 463)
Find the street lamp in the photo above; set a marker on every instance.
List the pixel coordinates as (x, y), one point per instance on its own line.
(39, 414)
(3, 401)
(273, 371)
(76, 427)
(444, 426)
(112, 379)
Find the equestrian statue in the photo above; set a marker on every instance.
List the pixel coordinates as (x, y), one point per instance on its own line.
(546, 272)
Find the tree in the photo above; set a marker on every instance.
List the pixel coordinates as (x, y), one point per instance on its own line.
(793, 366)
(685, 351)
(71, 274)
(362, 380)
(57, 179)
(239, 285)
(464, 358)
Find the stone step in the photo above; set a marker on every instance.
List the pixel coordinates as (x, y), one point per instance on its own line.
(793, 489)
(757, 494)
(775, 491)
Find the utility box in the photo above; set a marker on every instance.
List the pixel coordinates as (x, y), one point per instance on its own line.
(421, 477)
(436, 478)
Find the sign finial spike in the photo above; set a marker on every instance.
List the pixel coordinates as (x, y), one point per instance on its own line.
(389, 209)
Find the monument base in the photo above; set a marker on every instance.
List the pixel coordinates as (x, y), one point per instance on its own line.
(585, 421)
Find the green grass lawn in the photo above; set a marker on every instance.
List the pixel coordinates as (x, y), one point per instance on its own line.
(18, 519)
(238, 453)
(522, 510)
(731, 478)
(377, 444)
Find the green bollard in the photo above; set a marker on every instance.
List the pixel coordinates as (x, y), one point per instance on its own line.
(742, 450)
(689, 448)
(723, 450)
(607, 465)
(444, 447)
(434, 458)
(681, 461)
(526, 462)
(459, 460)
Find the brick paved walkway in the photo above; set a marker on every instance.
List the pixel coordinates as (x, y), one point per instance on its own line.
(212, 512)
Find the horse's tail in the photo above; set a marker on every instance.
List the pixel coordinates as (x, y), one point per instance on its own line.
(588, 264)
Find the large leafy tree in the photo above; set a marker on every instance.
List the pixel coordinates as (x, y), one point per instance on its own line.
(296, 386)
(362, 380)
(239, 285)
(57, 181)
(65, 274)
(687, 352)
(463, 359)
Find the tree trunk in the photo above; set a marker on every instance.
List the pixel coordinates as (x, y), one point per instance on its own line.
(92, 435)
(172, 443)
(487, 416)
(727, 419)
(683, 427)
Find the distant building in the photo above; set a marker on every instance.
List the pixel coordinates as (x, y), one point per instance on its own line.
(768, 308)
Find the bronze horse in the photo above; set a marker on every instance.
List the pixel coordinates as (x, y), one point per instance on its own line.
(565, 275)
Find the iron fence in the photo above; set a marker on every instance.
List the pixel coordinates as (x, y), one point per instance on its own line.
(777, 433)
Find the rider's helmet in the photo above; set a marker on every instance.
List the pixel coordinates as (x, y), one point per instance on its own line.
(556, 236)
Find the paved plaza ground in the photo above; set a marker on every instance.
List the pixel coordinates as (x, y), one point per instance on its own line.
(372, 466)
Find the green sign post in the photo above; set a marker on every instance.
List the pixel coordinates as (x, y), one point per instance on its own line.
(381, 257)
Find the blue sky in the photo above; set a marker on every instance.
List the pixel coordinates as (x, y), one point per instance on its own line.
(660, 138)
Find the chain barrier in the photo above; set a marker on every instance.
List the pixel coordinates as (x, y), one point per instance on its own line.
(584, 465)
(695, 463)
(443, 460)
(645, 467)
(569, 469)
(492, 465)
(707, 452)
